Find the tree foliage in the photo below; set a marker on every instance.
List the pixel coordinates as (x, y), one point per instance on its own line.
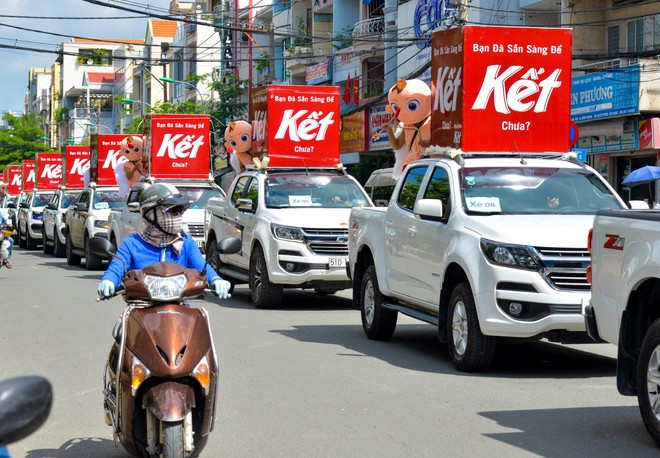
(22, 139)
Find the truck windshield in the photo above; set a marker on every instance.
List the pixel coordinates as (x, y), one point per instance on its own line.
(40, 200)
(69, 198)
(199, 197)
(313, 190)
(542, 190)
(108, 199)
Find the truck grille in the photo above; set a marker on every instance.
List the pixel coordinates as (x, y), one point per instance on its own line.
(327, 242)
(196, 230)
(565, 268)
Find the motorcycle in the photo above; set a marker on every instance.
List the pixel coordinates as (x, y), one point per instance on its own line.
(25, 404)
(160, 378)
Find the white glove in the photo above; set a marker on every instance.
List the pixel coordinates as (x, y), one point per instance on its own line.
(106, 289)
(221, 288)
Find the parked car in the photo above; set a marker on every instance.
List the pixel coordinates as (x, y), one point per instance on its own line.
(54, 240)
(30, 215)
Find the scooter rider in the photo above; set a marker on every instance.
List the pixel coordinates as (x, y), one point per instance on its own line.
(160, 238)
(6, 242)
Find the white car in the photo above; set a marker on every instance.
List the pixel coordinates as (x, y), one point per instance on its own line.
(30, 214)
(54, 240)
(294, 227)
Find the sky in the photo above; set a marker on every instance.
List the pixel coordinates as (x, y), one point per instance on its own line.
(15, 64)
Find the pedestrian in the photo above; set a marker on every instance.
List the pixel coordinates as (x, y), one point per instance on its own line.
(160, 238)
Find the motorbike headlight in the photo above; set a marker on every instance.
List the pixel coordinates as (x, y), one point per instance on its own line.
(202, 373)
(101, 223)
(293, 234)
(165, 288)
(517, 256)
(139, 373)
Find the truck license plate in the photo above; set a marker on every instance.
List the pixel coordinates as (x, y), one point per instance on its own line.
(337, 262)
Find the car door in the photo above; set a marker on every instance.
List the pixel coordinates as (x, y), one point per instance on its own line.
(229, 221)
(49, 215)
(78, 217)
(399, 224)
(427, 243)
(247, 221)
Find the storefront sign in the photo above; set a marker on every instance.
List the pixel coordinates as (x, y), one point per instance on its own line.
(105, 154)
(649, 133)
(27, 175)
(14, 175)
(627, 141)
(377, 136)
(178, 145)
(76, 161)
(352, 133)
(48, 170)
(605, 94)
(501, 89)
(318, 73)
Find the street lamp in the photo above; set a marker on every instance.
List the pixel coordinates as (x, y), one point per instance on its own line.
(172, 81)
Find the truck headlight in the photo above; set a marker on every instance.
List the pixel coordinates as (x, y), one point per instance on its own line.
(101, 223)
(293, 234)
(517, 256)
(165, 288)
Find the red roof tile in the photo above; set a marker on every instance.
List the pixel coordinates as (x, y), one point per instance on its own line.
(101, 77)
(108, 40)
(163, 28)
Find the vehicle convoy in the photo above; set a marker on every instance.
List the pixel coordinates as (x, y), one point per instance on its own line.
(161, 375)
(29, 215)
(482, 247)
(294, 227)
(88, 218)
(625, 303)
(54, 240)
(125, 220)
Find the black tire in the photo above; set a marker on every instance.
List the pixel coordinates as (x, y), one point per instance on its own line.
(469, 349)
(265, 295)
(92, 261)
(648, 381)
(60, 249)
(30, 243)
(19, 235)
(378, 322)
(72, 259)
(48, 249)
(172, 439)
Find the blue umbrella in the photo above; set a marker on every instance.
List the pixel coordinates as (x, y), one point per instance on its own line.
(644, 175)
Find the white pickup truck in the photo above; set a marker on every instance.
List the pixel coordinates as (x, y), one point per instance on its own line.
(482, 247)
(125, 220)
(294, 227)
(625, 303)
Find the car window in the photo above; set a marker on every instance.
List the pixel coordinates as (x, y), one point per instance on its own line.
(438, 188)
(108, 199)
(238, 190)
(413, 181)
(325, 190)
(199, 197)
(252, 192)
(40, 200)
(84, 199)
(68, 199)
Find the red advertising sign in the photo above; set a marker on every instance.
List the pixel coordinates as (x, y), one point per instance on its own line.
(178, 145)
(105, 154)
(303, 126)
(27, 175)
(49, 170)
(258, 116)
(76, 160)
(14, 179)
(501, 88)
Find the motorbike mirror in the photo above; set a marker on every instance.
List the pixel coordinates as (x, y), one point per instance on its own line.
(229, 245)
(25, 404)
(101, 246)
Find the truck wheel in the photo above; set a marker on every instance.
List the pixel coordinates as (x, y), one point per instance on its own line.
(265, 295)
(48, 249)
(59, 250)
(648, 381)
(92, 261)
(378, 322)
(172, 439)
(469, 349)
(30, 242)
(72, 259)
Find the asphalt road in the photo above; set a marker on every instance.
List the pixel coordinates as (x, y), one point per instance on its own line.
(304, 381)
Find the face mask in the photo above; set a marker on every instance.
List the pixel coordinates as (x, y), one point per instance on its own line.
(161, 226)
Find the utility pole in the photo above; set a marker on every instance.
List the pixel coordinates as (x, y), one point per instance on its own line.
(390, 55)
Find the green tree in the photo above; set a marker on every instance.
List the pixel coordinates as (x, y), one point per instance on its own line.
(22, 139)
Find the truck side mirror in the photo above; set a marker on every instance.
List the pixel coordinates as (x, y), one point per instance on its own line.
(133, 207)
(245, 205)
(51, 206)
(80, 206)
(429, 209)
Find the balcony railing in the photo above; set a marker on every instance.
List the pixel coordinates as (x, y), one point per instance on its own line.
(369, 28)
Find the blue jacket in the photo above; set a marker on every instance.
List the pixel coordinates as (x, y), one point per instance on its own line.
(137, 254)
